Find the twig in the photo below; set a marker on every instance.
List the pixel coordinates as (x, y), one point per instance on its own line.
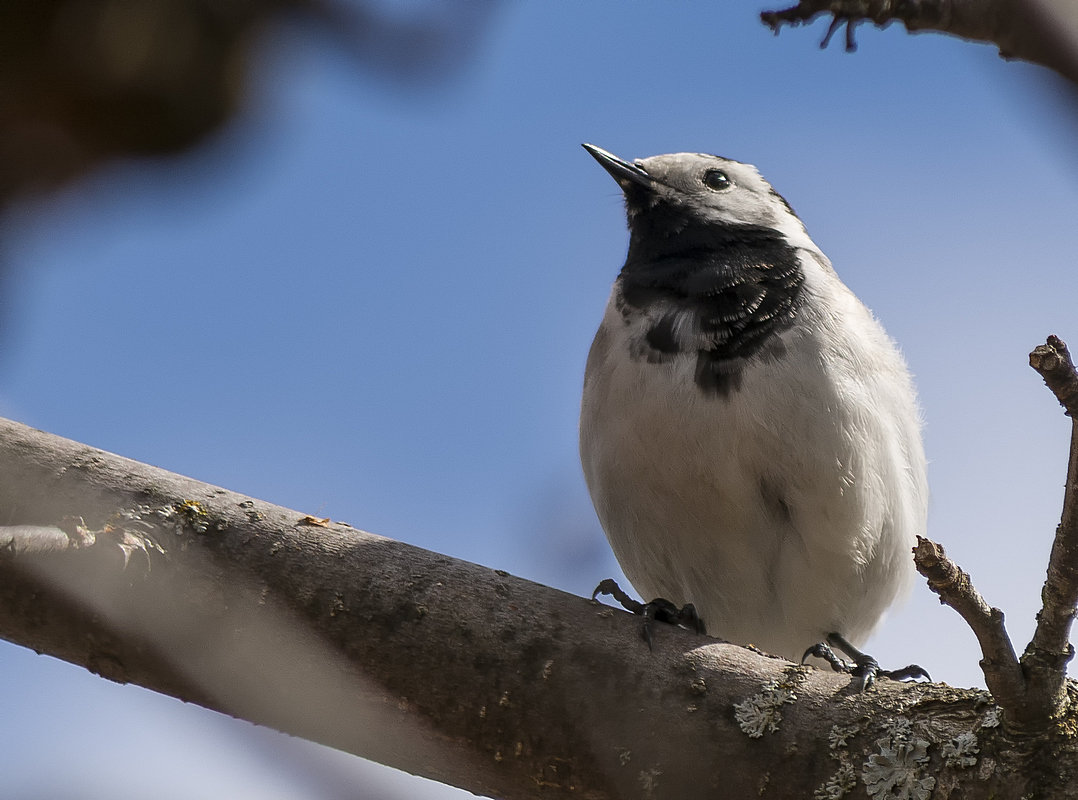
(1031, 690)
(1032, 30)
(1002, 672)
(1047, 654)
(850, 13)
(1053, 361)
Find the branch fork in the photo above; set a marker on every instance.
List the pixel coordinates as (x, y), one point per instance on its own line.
(1032, 689)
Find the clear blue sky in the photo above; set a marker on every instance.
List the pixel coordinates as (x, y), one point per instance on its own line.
(374, 304)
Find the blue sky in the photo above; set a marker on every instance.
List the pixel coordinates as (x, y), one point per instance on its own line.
(373, 302)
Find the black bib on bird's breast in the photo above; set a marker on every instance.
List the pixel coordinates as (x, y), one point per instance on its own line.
(723, 292)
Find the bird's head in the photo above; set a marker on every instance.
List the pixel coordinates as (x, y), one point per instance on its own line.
(682, 194)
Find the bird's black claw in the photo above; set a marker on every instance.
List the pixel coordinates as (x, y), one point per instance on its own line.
(823, 650)
(863, 669)
(610, 587)
(864, 673)
(659, 610)
(912, 672)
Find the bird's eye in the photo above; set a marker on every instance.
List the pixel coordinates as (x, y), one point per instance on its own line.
(717, 179)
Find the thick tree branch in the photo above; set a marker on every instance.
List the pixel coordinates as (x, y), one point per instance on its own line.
(1043, 32)
(443, 668)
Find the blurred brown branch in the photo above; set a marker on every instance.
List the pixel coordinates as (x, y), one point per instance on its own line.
(83, 82)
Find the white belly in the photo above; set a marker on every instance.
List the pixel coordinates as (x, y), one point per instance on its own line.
(784, 510)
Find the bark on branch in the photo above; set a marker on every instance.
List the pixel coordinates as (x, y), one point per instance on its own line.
(443, 668)
(1043, 32)
(1048, 652)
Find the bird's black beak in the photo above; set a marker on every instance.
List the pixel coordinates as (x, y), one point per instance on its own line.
(627, 175)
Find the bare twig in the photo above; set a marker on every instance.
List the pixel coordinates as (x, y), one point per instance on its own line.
(1038, 31)
(1047, 654)
(1053, 361)
(1031, 690)
(1002, 672)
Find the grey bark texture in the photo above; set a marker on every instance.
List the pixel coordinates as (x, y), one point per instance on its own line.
(450, 670)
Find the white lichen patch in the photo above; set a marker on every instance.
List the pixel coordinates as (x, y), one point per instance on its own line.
(845, 779)
(961, 751)
(840, 736)
(992, 717)
(896, 771)
(760, 713)
(839, 784)
(899, 730)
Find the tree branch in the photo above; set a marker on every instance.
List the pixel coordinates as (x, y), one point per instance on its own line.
(1052, 360)
(1032, 691)
(1002, 672)
(439, 667)
(1043, 32)
(1047, 654)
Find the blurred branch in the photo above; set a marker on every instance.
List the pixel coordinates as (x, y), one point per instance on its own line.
(443, 668)
(83, 82)
(1043, 32)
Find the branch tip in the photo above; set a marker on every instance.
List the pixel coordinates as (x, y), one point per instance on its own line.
(1002, 671)
(1052, 361)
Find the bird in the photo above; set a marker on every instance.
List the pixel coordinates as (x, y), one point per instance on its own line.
(750, 435)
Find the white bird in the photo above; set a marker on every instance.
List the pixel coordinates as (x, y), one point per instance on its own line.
(750, 435)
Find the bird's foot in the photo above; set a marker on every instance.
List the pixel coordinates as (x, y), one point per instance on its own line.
(863, 669)
(658, 610)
